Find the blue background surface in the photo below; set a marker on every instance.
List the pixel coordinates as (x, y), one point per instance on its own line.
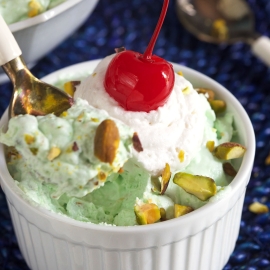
(131, 23)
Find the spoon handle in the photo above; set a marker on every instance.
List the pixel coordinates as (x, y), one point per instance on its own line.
(9, 48)
(261, 48)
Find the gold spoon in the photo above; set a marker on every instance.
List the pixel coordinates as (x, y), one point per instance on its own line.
(223, 21)
(30, 95)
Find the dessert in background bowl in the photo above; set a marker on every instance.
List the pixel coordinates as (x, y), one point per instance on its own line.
(25, 9)
(202, 239)
(39, 35)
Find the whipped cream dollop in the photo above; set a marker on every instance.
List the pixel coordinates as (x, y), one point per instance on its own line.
(171, 134)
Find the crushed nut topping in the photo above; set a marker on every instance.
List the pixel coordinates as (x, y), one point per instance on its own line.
(106, 141)
(258, 208)
(53, 153)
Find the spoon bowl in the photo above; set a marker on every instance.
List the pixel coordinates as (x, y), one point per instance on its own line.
(223, 21)
(30, 95)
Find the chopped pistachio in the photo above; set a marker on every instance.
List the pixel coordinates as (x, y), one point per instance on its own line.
(75, 147)
(34, 8)
(29, 139)
(53, 153)
(64, 114)
(136, 142)
(179, 73)
(202, 187)
(218, 106)
(160, 183)
(162, 214)
(121, 170)
(106, 141)
(258, 208)
(121, 49)
(229, 150)
(147, 213)
(80, 117)
(102, 176)
(229, 169)
(210, 94)
(70, 87)
(267, 160)
(220, 29)
(186, 90)
(94, 120)
(34, 151)
(181, 156)
(210, 145)
(180, 210)
(165, 178)
(156, 185)
(12, 154)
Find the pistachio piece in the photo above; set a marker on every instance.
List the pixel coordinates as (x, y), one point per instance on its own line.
(258, 208)
(136, 142)
(160, 183)
(75, 147)
(202, 187)
(220, 29)
(121, 170)
(210, 94)
(102, 176)
(180, 73)
(93, 119)
(121, 49)
(165, 178)
(229, 169)
(147, 213)
(267, 160)
(181, 156)
(186, 90)
(34, 150)
(180, 210)
(29, 139)
(156, 185)
(162, 214)
(53, 153)
(106, 141)
(64, 114)
(229, 150)
(34, 8)
(218, 106)
(211, 146)
(12, 154)
(70, 87)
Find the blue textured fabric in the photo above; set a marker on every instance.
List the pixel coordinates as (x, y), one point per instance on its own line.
(130, 23)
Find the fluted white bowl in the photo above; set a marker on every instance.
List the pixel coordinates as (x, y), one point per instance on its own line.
(39, 35)
(200, 240)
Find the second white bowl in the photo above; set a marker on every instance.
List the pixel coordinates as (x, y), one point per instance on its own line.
(39, 35)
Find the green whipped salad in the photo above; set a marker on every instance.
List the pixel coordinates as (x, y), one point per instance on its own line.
(59, 151)
(68, 180)
(17, 10)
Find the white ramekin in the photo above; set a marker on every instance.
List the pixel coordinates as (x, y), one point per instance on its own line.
(203, 239)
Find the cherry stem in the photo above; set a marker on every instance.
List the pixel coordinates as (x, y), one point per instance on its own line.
(149, 50)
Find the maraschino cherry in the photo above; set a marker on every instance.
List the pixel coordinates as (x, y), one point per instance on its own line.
(140, 82)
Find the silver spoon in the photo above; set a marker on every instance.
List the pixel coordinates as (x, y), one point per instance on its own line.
(30, 95)
(223, 21)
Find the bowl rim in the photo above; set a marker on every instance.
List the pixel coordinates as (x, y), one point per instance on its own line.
(43, 17)
(191, 218)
